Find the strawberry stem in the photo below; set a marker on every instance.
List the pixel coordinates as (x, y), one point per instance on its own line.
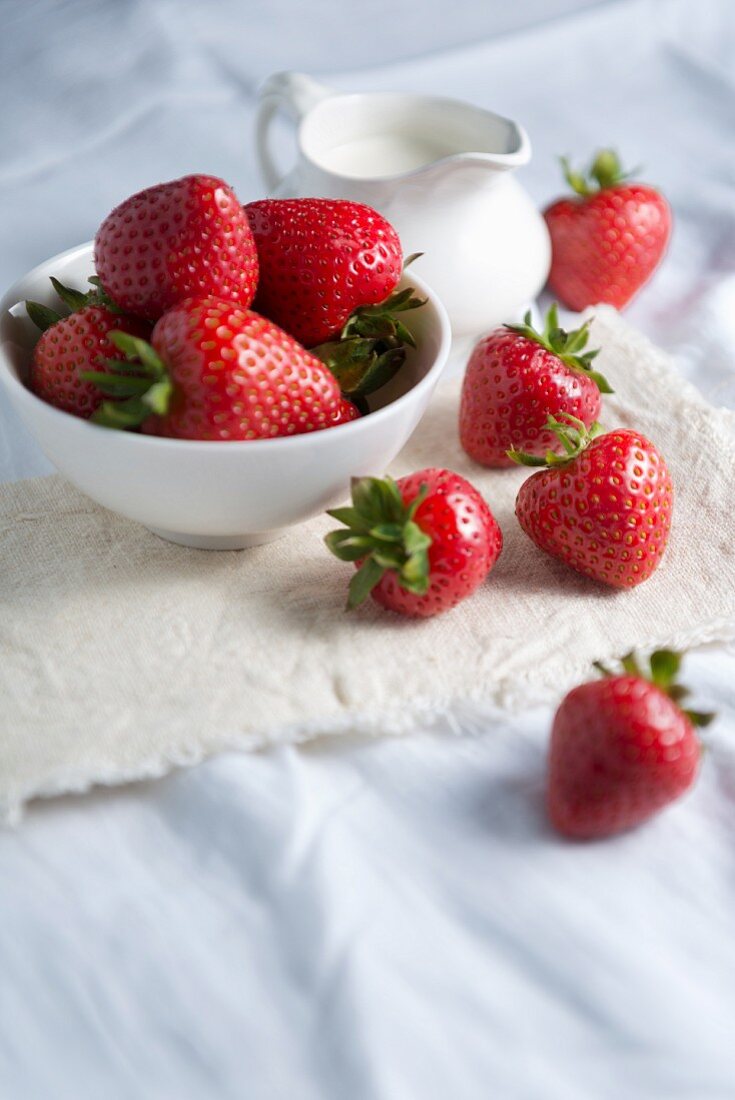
(141, 378)
(662, 670)
(567, 346)
(371, 348)
(380, 532)
(43, 317)
(604, 171)
(574, 437)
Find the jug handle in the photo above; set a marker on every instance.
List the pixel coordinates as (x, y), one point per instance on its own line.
(293, 93)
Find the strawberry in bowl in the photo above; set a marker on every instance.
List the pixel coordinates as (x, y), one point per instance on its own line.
(329, 275)
(216, 371)
(77, 342)
(213, 491)
(182, 239)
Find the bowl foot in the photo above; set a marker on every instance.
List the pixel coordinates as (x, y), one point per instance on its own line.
(217, 542)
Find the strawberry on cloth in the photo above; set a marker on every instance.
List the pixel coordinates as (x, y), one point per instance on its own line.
(421, 544)
(516, 378)
(604, 506)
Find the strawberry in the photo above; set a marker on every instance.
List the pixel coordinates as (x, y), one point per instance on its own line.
(608, 239)
(216, 371)
(328, 270)
(621, 749)
(516, 378)
(420, 545)
(75, 343)
(346, 411)
(186, 238)
(604, 507)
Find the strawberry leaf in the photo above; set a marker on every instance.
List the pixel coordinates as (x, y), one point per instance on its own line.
(567, 346)
(74, 299)
(604, 171)
(142, 375)
(121, 414)
(115, 385)
(43, 317)
(363, 582)
(157, 396)
(663, 667)
(380, 531)
(573, 435)
(371, 348)
(700, 718)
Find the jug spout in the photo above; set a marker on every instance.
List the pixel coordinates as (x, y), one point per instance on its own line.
(480, 139)
(387, 140)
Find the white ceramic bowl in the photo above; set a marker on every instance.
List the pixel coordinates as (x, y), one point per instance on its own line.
(215, 495)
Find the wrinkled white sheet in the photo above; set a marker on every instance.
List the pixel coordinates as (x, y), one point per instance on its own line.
(377, 920)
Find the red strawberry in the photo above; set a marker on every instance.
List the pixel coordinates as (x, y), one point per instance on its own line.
(187, 238)
(516, 378)
(319, 260)
(604, 507)
(346, 412)
(621, 749)
(421, 544)
(216, 371)
(75, 343)
(608, 240)
(328, 269)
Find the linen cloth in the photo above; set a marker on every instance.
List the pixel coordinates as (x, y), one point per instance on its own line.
(123, 654)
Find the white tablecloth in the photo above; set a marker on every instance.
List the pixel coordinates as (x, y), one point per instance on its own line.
(378, 920)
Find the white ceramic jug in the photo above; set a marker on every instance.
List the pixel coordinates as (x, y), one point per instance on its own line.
(440, 170)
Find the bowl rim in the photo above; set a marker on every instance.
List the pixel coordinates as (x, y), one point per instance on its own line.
(12, 298)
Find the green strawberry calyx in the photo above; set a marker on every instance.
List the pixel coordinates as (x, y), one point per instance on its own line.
(140, 383)
(44, 317)
(371, 348)
(662, 671)
(567, 346)
(574, 436)
(381, 532)
(604, 171)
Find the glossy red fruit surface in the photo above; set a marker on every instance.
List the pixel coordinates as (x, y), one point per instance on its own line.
(621, 749)
(346, 412)
(515, 379)
(73, 344)
(608, 238)
(236, 375)
(320, 259)
(186, 238)
(606, 512)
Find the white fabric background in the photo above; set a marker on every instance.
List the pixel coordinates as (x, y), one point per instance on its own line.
(379, 920)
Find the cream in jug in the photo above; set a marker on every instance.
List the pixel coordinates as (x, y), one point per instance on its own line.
(440, 170)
